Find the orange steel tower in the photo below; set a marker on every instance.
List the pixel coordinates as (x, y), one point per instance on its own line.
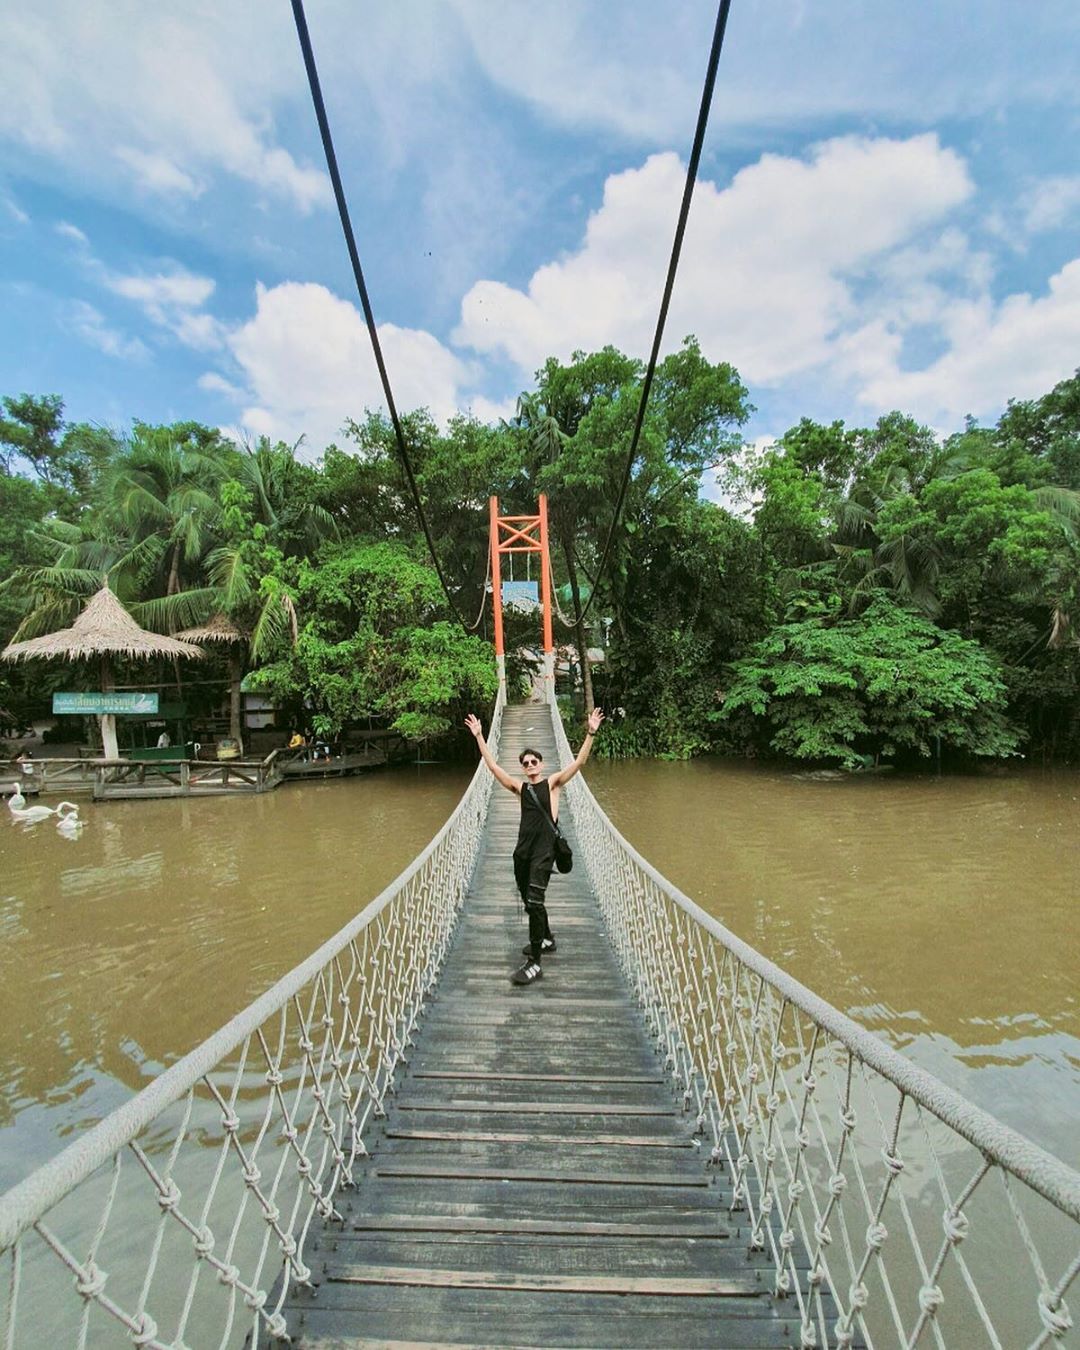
(521, 534)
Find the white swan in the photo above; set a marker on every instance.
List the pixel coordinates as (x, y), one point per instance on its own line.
(31, 815)
(67, 820)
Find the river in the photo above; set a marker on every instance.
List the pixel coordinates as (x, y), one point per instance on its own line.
(941, 913)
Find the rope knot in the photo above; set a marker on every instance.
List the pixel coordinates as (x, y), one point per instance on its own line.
(92, 1281)
(876, 1236)
(772, 1103)
(255, 1300)
(795, 1190)
(847, 1119)
(169, 1196)
(956, 1225)
(807, 1336)
(288, 1245)
(277, 1327)
(845, 1337)
(802, 1139)
(779, 1050)
(306, 1045)
(229, 1275)
(769, 1154)
(859, 1296)
(787, 1240)
(1057, 1321)
(809, 1082)
(753, 1073)
(892, 1162)
(837, 1184)
(230, 1122)
(930, 1299)
(274, 1077)
(146, 1332)
(251, 1174)
(204, 1242)
(304, 1166)
(823, 1234)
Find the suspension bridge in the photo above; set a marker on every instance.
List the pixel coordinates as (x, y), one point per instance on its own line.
(668, 1142)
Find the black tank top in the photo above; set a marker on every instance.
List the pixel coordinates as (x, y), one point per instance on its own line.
(533, 825)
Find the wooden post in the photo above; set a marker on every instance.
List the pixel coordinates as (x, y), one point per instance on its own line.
(109, 747)
(496, 593)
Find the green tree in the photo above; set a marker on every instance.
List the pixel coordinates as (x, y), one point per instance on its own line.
(374, 640)
(855, 689)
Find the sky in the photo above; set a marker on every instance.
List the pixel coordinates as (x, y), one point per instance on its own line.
(887, 213)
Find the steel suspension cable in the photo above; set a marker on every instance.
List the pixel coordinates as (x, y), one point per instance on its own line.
(669, 285)
(361, 286)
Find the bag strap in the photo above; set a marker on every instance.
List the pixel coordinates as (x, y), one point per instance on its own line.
(546, 814)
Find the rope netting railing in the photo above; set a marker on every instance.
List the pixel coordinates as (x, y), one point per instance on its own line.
(183, 1218)
(894, 1211)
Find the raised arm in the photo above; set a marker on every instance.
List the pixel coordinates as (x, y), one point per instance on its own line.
(473, 723)
(564, 775)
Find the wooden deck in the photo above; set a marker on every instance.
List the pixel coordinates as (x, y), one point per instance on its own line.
(536, 1182)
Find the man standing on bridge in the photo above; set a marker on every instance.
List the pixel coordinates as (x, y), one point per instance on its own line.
(534, 855)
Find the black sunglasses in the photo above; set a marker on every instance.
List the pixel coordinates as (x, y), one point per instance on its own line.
(529, 763)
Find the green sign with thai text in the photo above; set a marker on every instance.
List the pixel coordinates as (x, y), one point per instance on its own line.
(104, 703)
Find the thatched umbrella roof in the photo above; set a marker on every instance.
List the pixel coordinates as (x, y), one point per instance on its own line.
(104, 628)
(218, 629)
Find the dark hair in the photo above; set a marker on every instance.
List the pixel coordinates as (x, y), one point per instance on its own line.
(528, 751)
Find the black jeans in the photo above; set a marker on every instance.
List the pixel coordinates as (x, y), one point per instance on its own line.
(532, 871)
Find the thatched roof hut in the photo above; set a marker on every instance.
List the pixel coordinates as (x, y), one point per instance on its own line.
(220, 628)
(104, 628)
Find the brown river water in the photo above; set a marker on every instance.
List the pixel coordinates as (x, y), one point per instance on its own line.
(941, 913)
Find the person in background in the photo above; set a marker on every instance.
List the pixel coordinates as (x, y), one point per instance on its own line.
(164, 741)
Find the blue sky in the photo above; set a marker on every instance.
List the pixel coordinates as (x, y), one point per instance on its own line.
(888, 213)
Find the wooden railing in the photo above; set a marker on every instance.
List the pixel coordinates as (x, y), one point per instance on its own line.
(98, 776)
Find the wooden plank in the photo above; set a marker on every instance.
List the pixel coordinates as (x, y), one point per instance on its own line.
(522, 1137)
(465, 1172)
(543, 1284)
(539, 1108)
(512, 1224)
(489, 1076)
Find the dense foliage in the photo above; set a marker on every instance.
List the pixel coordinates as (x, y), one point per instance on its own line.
(865, 593)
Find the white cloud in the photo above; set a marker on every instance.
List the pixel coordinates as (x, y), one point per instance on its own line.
(163, 291)
(89, 324)
(157, 173)
(66, 230)
(171, 92)
(307, 365)
(1052, 202)
(14, 210)
(214, 383)
(1019, 348)
(641, 76)
(764, 276)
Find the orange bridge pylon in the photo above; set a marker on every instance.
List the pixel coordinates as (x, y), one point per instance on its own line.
(521, 534)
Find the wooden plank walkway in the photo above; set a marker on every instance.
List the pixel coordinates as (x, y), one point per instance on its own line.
(536, 1182)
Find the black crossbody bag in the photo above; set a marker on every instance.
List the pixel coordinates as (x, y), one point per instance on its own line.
(564, 854)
